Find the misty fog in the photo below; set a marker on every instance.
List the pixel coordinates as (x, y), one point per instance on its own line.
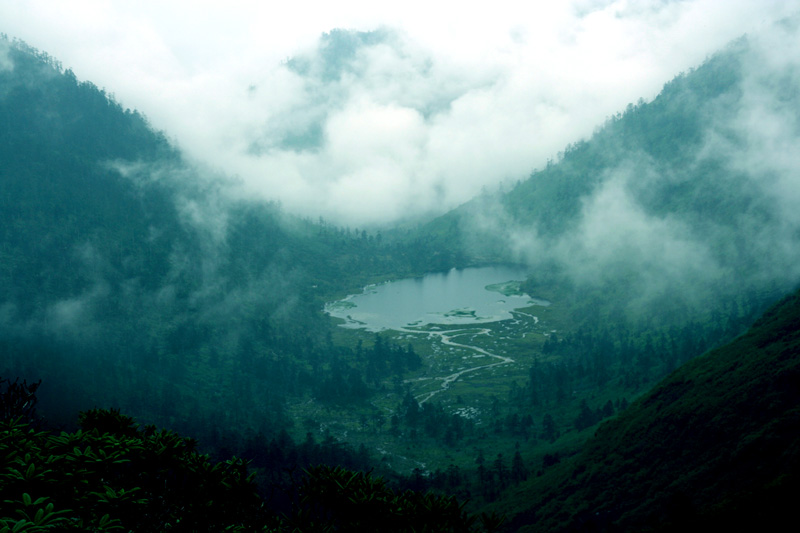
(740, 226)
(372, 116)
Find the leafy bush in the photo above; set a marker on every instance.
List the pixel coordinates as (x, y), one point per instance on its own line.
(120, 478)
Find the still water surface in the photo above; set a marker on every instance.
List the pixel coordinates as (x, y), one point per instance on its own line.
(455, 297)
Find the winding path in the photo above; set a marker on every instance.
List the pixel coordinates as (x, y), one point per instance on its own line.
(446, 338)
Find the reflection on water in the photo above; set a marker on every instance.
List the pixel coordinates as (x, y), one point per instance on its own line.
(468, 296)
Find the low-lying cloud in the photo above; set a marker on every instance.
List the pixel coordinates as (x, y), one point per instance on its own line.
(738, 228)
(406, 112)
(6, 62)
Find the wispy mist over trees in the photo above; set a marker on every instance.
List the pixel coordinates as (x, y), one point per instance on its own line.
(686, 198)
(131, 277)
(134, 277)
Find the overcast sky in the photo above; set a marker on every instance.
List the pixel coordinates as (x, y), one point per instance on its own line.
(413, 112)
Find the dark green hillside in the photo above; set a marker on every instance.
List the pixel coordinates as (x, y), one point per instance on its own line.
(666, 134)
(129, 278)
(664, 235)
(679, 196)
(716, 444)
(56, 137)
(113, 475)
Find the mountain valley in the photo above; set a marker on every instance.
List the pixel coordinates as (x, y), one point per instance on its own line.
(648, 380)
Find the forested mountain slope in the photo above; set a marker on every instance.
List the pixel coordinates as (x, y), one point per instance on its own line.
(672, 206)
(130, 277)
(102, 259)
(715, 444)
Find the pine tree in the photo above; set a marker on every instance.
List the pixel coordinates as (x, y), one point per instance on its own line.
(518, 471)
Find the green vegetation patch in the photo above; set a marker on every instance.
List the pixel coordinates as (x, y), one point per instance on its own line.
(341, 305)
(461, 313)
(508, 288)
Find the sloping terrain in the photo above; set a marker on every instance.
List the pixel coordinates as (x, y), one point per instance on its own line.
(672, 205)
(715, 444)
(130, 278)
(119, 256)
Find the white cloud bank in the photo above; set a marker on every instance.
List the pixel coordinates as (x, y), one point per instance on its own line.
(440, 100)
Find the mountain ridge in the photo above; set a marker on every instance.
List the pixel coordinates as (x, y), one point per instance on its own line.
(714, 443)
(205, 314)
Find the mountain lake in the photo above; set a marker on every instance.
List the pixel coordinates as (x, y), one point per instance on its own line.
(458, 297)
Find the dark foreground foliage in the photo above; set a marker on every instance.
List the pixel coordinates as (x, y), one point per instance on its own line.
(112, 475)
(333, 499)
(18, 399)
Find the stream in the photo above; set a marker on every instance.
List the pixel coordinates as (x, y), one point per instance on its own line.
(463, 299)
(446, 338)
